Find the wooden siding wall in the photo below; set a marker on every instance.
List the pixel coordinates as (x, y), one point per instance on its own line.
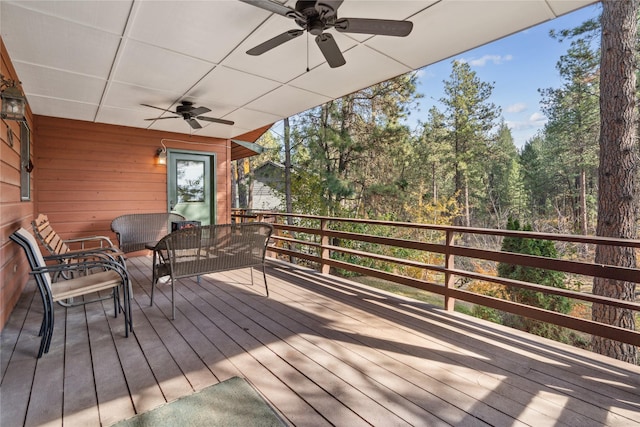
(89, 173)
(85, 174)
(13, 212)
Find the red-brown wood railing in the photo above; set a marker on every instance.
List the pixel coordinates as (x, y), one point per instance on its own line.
(316, 239)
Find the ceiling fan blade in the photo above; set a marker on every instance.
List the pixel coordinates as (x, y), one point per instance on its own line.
(330, 50)
(214, 120)
(194, 123)
(383, 27)
(274, 42)
(158, 108)
(328, 8)
(162, 118)
(199, 110)
(273, 6)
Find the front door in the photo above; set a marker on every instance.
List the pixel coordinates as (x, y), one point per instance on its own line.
(191, 185)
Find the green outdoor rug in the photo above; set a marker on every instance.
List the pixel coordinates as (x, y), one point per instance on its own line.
(233, 402)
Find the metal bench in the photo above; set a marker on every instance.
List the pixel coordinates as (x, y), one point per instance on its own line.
(209, 249)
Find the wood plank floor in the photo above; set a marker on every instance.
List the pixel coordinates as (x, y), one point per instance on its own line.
(321, 350)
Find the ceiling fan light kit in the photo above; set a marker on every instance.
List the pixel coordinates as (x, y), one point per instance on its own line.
(317, 16)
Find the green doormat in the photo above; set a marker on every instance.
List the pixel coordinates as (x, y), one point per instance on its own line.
(233, 402)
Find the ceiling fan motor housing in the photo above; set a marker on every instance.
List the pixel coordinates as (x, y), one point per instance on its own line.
(311, 19)
(185, 107)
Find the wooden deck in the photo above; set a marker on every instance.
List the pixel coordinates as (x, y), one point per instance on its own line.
(321, 350)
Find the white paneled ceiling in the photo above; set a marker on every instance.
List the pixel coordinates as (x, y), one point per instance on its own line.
(100, 60)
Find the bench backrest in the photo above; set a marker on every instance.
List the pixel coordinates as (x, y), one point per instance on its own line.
(220, 247)
(134, 231)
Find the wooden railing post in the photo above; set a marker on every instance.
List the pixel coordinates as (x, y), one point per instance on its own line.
(324, 250)
(449, 278)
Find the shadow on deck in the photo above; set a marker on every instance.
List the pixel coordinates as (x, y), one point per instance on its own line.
(322, 350)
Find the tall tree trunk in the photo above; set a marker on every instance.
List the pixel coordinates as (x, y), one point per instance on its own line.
(234, 185)
(459, 194)
(242, 186)
(617, 198)
(287, 181)
(435, 183)
(584, 224)
(249, 177)
(287, 168)
(467, 210)
(583, 202)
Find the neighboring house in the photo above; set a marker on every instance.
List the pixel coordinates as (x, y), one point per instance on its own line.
(268, 187)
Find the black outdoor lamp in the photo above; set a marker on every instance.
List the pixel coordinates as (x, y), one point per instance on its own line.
(161, 155)
(13, 101)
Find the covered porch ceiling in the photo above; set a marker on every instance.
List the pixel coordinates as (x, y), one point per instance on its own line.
(98, 61)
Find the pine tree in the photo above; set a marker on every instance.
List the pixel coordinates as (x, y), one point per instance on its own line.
(470, 119)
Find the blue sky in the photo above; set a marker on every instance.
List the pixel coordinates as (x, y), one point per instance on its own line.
(517, 66)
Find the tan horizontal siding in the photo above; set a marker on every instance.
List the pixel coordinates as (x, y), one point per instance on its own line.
(13, 212)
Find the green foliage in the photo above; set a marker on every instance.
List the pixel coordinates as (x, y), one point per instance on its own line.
(536, 247)
(503, 186)
(537, 181)
(389, 251)
(470, 118)
(357, 148)
(572, 132)
(486, 313)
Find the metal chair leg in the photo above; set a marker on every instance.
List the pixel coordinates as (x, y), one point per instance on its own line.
(264, 274)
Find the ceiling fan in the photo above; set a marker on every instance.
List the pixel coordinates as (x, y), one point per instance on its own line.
(190, 113)
(317, 16)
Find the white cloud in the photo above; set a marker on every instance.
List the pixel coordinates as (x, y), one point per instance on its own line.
(538, 117)
(523, 130)
(482, 61)
(424, 73)
(518, 107)
(535, 121)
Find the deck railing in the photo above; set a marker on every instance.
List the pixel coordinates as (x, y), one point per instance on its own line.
(439, 259)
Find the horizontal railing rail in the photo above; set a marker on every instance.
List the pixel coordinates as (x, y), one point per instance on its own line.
(320, 240)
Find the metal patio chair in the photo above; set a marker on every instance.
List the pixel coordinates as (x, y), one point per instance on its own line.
(90, 247)
(113, 276)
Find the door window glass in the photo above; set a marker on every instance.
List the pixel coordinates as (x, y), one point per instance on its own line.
(190, 181)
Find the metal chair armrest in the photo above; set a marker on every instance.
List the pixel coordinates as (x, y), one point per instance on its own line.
(82, 266)
(104, 241)
(110, 255)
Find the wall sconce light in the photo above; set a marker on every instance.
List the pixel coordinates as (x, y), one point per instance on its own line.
(13, 102)
(161, 155)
